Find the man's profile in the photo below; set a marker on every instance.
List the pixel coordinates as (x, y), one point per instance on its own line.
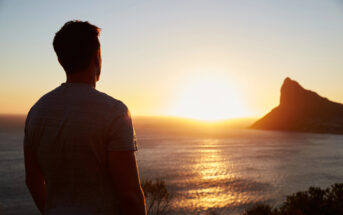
(79, 144)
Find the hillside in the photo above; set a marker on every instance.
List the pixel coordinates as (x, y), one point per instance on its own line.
(303, 110)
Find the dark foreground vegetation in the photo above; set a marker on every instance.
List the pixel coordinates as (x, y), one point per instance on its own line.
(314, 201)
(157, 197)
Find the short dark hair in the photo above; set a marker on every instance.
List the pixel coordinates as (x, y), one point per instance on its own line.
(75, 44)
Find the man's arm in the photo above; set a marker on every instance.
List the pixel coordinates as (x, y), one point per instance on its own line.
(34, 179)
(124, 174)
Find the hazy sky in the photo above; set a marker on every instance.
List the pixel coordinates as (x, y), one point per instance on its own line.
(156, 52)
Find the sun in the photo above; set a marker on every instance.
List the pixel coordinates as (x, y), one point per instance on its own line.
(209, 99)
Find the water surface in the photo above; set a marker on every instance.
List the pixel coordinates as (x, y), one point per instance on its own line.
(223, 169)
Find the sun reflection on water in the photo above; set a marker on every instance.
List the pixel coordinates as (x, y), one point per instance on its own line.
(212, 171)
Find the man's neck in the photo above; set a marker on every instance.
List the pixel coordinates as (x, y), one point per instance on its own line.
(80, 77)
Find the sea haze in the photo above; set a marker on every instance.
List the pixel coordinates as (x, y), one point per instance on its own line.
(206, 166)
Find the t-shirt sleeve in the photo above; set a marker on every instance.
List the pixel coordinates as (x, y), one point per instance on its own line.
(122, 135)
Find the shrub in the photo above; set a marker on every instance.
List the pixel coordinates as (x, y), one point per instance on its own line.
(157, 197)
(260, 209)
(314, 201)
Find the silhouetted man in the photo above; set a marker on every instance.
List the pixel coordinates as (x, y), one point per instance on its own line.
(79, 143)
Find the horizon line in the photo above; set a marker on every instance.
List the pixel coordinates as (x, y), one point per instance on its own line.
(161, 116)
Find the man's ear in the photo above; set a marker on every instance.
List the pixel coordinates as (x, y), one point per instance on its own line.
(98, 64)
(98, 59)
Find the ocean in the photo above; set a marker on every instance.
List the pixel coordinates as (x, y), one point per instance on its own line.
(206, 167)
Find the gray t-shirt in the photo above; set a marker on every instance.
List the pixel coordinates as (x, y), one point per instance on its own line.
(70, 130)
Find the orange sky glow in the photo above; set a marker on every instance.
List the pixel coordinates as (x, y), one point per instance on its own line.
(203, 60)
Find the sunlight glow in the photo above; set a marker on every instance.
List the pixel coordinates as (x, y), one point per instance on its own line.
(212, 168)
(209, 99)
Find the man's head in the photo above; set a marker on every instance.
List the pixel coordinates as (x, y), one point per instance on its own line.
(78, 48)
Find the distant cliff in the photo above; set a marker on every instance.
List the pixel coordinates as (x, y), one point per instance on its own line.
(303, 110)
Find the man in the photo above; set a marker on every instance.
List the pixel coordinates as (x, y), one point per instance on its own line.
(79, 144)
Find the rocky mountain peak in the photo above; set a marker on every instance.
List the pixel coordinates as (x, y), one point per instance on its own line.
(303, 110)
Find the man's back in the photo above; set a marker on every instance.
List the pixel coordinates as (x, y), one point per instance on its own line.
(70, 130)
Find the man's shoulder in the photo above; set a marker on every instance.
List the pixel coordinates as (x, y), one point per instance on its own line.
(43, 99)
(110, 102)
(102, 101)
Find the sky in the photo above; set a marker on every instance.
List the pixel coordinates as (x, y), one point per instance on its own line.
(190, 58)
